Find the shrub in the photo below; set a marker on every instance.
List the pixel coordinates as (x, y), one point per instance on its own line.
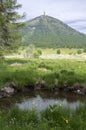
(58, 51)
(39, 51)
(36, 54)
(84, 50)
(79, 52)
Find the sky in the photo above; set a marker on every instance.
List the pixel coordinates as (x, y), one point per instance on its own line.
(71, 12)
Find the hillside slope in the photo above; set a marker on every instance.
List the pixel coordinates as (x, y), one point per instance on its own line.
(46, 31)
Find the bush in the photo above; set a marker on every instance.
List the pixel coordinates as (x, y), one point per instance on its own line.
(84, 50)
(1, 53)
(58, 51)
(39, 51)
(79, 52)
(36, 54)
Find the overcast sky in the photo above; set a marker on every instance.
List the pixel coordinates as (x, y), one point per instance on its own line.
(72, 12)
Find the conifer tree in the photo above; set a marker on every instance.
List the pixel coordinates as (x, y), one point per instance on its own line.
(9, 21)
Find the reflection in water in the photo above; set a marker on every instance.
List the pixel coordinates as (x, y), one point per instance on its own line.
(41, 100)
(40, 104)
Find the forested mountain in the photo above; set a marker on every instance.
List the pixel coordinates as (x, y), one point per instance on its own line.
(46, 31)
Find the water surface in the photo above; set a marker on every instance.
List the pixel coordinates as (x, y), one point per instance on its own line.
(41, 100)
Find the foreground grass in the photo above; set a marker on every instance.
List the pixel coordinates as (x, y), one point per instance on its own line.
(53, 118)
(30, 71)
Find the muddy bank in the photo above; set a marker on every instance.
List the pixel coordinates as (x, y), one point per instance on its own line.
(10, 88)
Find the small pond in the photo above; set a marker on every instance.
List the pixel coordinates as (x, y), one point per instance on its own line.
(41, 100)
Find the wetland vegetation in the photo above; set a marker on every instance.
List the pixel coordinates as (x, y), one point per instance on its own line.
(55, 117)
(29, 72)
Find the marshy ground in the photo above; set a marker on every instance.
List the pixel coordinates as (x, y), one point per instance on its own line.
(28, 72)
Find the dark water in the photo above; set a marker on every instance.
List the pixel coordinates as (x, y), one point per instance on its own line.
(42, 100)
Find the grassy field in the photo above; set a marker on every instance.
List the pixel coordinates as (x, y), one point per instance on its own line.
(27, 72)
(30, 71)
(53, 118)
(62, 50)
(49, 53)
(69, 51)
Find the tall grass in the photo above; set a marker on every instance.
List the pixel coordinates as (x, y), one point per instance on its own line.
(53, 118)
(30, 71)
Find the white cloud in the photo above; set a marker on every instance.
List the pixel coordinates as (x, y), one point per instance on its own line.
(79, 25)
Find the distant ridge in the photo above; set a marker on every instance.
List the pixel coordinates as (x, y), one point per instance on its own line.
(46, 31)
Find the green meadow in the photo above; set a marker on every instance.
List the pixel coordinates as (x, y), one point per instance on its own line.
(26, 71)
(52, 118)
(30, 71)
